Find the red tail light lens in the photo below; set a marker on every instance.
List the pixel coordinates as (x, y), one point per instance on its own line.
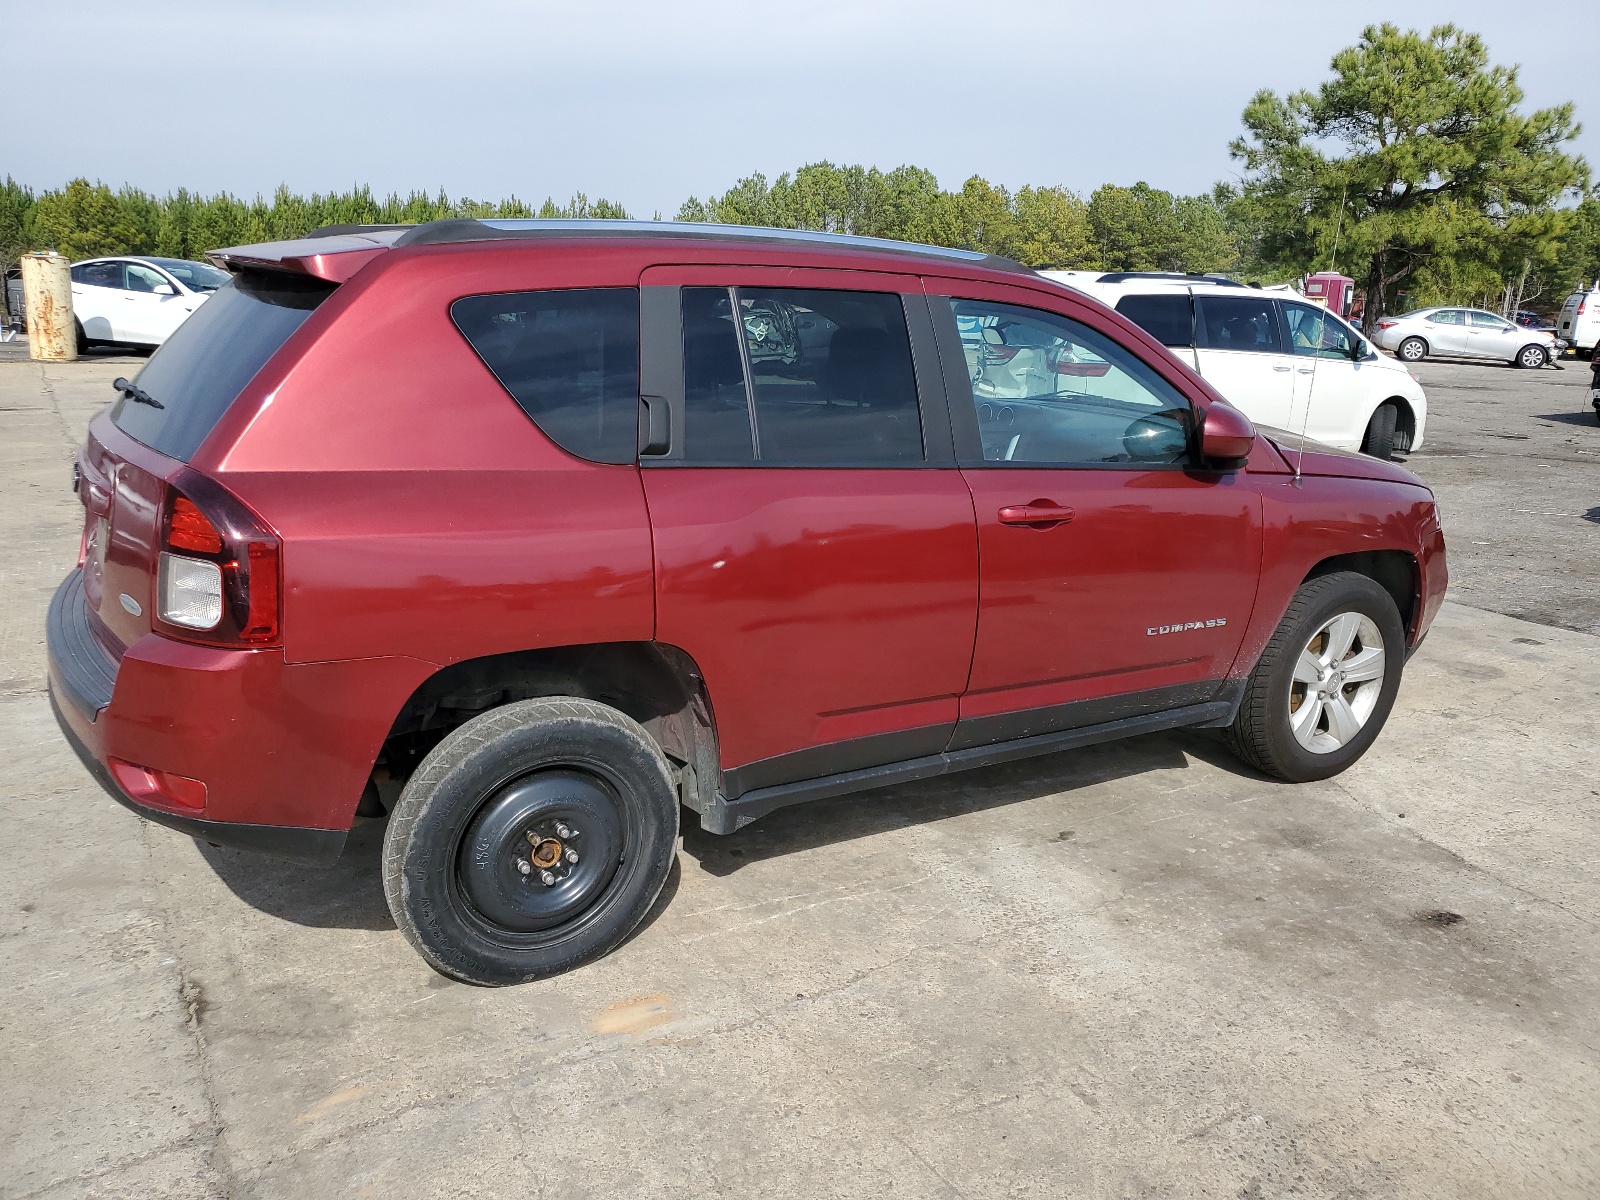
(1387, 324)
(188, 529)
(1583, 304)
(220, 568)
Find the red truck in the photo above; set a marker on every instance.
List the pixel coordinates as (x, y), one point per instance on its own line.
(531, 535)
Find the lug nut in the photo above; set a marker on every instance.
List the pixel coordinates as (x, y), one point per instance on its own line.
(533, 838)
(572, 856)
(524, 866)
(546, 878)
(563, 830)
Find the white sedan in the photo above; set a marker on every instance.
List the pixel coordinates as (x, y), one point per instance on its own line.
(138, 301)
(1463, 333)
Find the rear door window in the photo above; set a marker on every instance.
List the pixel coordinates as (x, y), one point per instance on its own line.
(200, 370)
(803, 377)
(569, 358)
(100, 274)
(1167, 318)
(1238, 323)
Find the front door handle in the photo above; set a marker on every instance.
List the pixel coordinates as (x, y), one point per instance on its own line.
(1036, 514)
(1276, 368)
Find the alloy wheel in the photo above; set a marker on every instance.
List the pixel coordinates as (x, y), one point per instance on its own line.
(1337, 681)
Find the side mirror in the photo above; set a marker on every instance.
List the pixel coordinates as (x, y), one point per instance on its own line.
(1226, 438)
(1159, 438)
(1358, 350)
(164, 289)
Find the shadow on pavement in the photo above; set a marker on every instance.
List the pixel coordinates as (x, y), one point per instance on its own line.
(1568, 418)
(829, 822)
(347, 895)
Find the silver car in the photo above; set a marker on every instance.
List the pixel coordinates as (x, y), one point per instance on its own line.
(1463, 333)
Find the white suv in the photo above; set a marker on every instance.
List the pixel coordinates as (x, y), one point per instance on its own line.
(1579, 322)
(1281, 360)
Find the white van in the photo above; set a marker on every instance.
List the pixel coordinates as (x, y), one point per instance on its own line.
(1281, 360)
(1579, 322)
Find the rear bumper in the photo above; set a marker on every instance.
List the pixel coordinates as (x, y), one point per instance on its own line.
(319, 847)
(284, 750)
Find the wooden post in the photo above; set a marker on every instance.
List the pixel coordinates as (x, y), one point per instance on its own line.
(47, 300)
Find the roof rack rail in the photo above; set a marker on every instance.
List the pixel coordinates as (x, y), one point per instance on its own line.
(1179, 276)
(434, 233)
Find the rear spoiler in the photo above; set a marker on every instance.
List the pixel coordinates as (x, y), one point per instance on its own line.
(334, 254)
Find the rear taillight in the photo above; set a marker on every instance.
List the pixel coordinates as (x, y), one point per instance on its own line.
(1387, 324)
(217, 578)
(1582, 304)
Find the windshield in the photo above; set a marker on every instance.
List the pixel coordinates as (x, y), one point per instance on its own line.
(196, 276)
(208, 360)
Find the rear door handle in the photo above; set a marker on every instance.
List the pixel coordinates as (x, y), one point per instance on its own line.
(1037, 514)
(1283, 368)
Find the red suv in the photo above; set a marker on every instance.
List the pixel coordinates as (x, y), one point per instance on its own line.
(529, 533)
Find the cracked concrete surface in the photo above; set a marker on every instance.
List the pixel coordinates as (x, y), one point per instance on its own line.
(1135, 970)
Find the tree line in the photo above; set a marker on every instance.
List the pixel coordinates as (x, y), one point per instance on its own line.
(1412, 169)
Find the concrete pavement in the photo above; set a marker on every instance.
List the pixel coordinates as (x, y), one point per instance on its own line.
(1135, 970)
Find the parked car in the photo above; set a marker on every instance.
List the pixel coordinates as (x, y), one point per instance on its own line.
(15, 318)
(138, 301)
(1528, 319)
(1463, 333)
(503, 528)
(1282, 361)
(1579, 322)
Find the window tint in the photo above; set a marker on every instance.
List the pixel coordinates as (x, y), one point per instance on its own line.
(143, 279)
(802, 376)
(197, 277)
(1448, 316)
(1313, 331)
(1483, 320)
(570, 359)
(716, 418)
(99, 274)
(1166, 318)
(205, 364)
(1237, 323)
(1047, 389)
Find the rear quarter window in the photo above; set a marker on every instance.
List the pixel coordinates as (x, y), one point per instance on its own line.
(1167, 318)
(569, 358)
(200, 370)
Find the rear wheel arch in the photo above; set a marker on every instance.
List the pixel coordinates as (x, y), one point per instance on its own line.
(658, 685)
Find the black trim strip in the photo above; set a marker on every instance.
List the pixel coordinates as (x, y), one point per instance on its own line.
(316, 847)
(1079, 714)
(836, 757)
(87, 673)
(726, 816)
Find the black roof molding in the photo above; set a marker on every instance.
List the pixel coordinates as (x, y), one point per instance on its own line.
(438, 233)
(1179, 276)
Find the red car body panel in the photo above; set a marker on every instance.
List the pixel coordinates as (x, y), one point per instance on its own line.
(426, 520)
(821, 605)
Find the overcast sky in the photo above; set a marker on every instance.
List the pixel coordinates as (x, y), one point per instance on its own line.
(648, 103)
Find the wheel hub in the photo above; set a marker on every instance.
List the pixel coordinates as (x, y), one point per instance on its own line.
(1336, 683)
(542, 849)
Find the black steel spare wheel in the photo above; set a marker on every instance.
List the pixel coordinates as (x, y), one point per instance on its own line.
(542, 850)
(533, 839)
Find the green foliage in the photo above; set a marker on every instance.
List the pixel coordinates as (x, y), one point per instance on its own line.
(1039, 226)
(82, 219)
(1415, 158)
